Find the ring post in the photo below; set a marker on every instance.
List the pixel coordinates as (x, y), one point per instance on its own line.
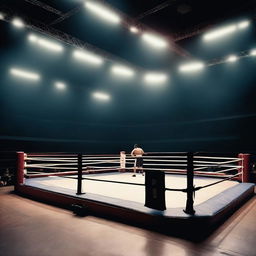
(79, 174)
(20, 169)
(245, 163)
(190, 185)
(122, 161)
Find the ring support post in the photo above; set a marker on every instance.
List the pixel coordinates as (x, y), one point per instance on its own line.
(190, 185)
(20, 169)
(245, 163)
(79, 174)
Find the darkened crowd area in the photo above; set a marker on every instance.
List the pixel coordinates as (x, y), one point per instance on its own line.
(6, 177)
(7, 168)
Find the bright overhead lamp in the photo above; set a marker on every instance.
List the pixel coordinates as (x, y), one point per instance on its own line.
(18, 23)
(32, 38)
(243, 24)
(102, 96)
(1, 16)
(88, 57)
(60, 85)
(191, 67)
(102, 12)
(218, 33)
(155, 78)
(253, 52)
(134, 29)
(49, 45)
(154, 40)
(24, 74)
(232, 58)
(122, 71)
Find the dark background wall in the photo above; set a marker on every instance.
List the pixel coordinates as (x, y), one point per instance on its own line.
(214, 110)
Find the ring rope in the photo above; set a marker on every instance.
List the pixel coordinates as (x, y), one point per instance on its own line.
(165, 164)
(103, 157)
(183, 157)
(32, 165)
(112, 181)
(100, 167)
(176, 189)
(206, 167)
(164, 160)
(51, 155)
(215, 157)
(52, 159)
(147, 160)
(163, 153)
(210, 162)
(214, 183)
(221, 171)
(101, 162)
(231, 161)
(49, 167)
(126, 183)
(223, 165)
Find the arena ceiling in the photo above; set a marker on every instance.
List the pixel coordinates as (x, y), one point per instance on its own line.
(204, 109)
(173, 19)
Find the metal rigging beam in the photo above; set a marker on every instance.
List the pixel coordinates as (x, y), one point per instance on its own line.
(155, 9)
(44, 6)
(67, 15)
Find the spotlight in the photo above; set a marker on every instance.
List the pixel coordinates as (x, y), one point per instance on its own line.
(243, 24)
(134, 29)
(218, 33)
(253, 52)
(122, 71)
(191, 67)
(103, 12)
(155, 78)
(17, 22)
(24, 74)
(1, 16)
(154, 40)
(101, 96)
(60, 85)
(32, 38)
(232, 58)
(88, 57)
(52, 46)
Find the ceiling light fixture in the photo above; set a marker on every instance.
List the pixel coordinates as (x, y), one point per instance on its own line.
(101, 96)
(155, 78)
(154, 40)
(243, 24)
(232, 58)
(219, 33)
(24, 74)
(102, 12)
(122, 71)
(88, 57)
(191, 67)
(18, 23)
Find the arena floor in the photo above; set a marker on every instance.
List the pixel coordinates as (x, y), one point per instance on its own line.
(29, 228)
(130, 192)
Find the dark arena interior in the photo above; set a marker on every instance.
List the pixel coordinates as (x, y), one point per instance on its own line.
(127, 127)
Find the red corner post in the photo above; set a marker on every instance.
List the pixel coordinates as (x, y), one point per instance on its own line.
(20, 169)
(245, 163)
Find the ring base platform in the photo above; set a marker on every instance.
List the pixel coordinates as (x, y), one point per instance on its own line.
(173, 221)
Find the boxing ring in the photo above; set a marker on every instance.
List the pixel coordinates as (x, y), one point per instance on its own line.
(180, 191)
